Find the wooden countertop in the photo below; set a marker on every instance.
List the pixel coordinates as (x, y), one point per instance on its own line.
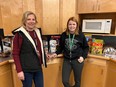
(4, 60)
(55, 60)
(51, 61)
(99, 57)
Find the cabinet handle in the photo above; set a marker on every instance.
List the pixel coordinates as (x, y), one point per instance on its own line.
(102, 72)
(60, 68)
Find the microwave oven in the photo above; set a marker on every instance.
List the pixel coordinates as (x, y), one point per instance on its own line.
(96, 25)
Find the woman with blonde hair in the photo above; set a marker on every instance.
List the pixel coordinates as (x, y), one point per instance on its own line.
(28, 53)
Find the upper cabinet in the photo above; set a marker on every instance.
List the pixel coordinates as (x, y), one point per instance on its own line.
(96, 6)
(67, 10)
(11, 13)
(55, 14)
(106, 5)
(50, 23)
(86, 6)
(52, 15)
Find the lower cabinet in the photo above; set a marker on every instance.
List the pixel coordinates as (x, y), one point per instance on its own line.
(6, 75)
(52, 75)
(16, 81)
(94, 73)
(111, 76)
(97, 72)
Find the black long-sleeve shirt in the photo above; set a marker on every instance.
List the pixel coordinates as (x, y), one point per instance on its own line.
(80, 46)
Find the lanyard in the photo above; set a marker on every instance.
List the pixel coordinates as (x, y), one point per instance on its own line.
(71, 41)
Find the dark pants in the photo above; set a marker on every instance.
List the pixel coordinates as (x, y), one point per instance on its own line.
(37, 77)
(68, 66)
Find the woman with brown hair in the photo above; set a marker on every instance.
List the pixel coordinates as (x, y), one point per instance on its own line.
(74, 47)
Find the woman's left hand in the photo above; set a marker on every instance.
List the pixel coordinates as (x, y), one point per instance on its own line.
(81, 59)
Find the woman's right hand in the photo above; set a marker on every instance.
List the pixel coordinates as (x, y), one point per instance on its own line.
(54, 55)
(21, 75)
(51, 56)
(48, 56)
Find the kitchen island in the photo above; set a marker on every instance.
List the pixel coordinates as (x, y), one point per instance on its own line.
(98, 71)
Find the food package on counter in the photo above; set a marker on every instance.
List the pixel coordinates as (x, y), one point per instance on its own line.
(53, 44)
(97, 46)
(45, 44)
(89, 41)
(109, 52)
(6, 47)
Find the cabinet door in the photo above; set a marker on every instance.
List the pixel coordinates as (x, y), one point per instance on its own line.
(86, 6)
(111, 75)
(67, 10)
(52, 75)
(106, 5)
(6, 76)
(16, 81)
(50, 22)
(93, 74)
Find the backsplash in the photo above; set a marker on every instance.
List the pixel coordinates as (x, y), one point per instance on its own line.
(104, 45)
(109, 41)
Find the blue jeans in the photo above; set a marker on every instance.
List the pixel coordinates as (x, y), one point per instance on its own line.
(37, 77)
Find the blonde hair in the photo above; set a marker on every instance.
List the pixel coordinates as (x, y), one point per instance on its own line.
(77, 28)
(25, 15)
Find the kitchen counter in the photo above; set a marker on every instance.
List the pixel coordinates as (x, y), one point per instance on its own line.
(52, 73)
(58, 59)
(5, 72)
(98, 69)
(51, 61)
(4, 60)
(55, 60)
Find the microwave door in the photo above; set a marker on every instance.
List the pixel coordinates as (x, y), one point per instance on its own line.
(95, 27)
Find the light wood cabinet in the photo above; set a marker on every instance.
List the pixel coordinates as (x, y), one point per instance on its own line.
(111, 76)
(16, 81)
(55, 15)
(67, 10)
(96, 6)
(52, 15)
(52, 75)
(50, 23)
(6, 75)
(86, 6)
(98, 71)
(94, 73)
(106, 6)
